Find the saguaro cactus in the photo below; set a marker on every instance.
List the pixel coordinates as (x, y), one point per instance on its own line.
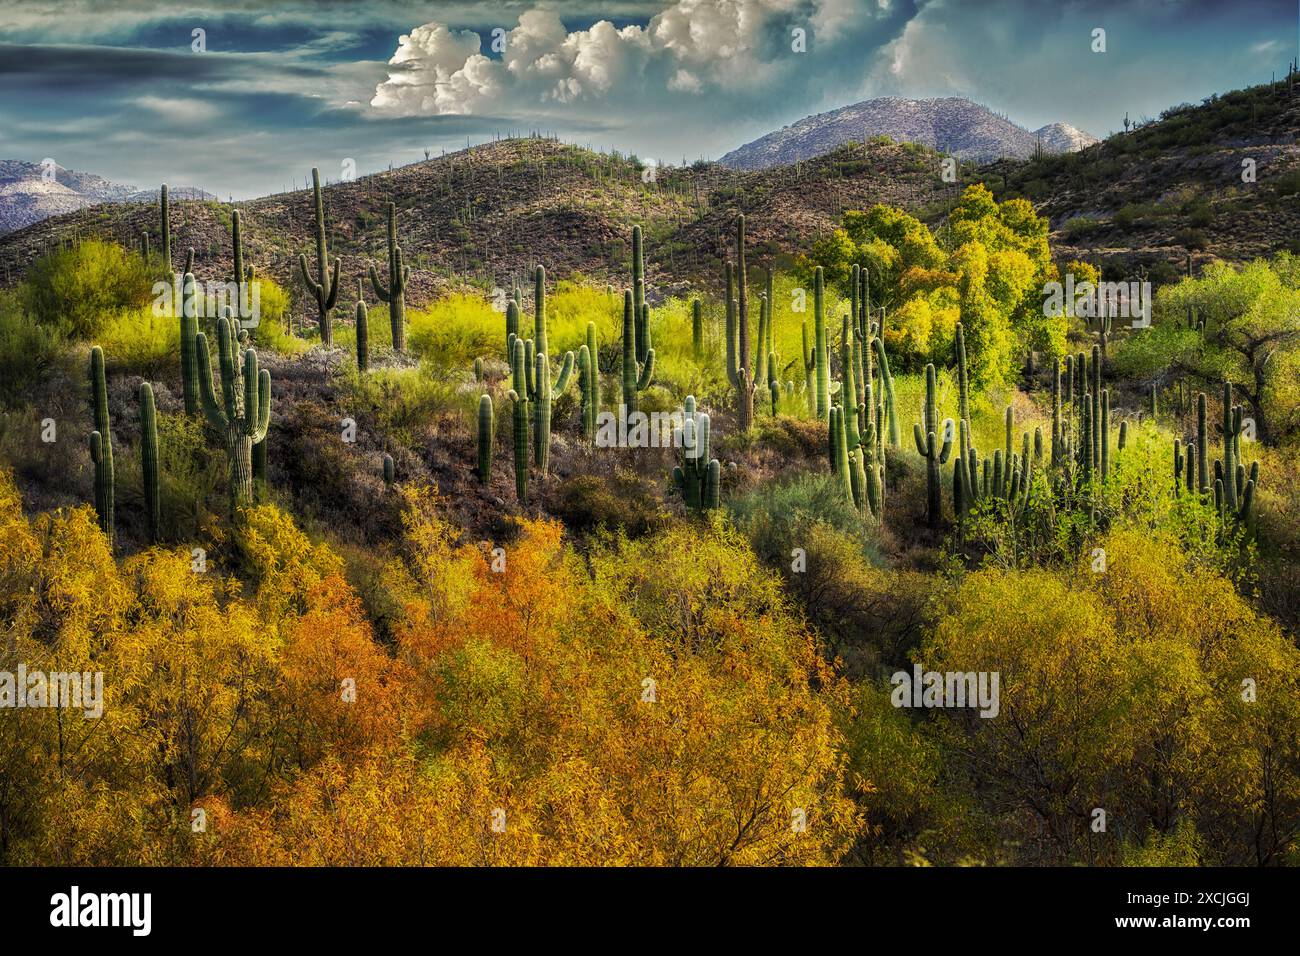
(164, 213)
(887, 384)
(518, 396)
(698, 477)
(101, 444)
(485, 433)
(1232, 426)
(963, 387)
(390, 469)
(540, 344)
(641, 312)
(242, 420)
(325, 291)
(512, 327)
(1057, 436)
(395, 292)
(928, 447)
(697, 330)
(149, 459)
(589, 382)
(542, 390)
(363, 338)
(636, 377)
(1202, 446)
(189, 318)
(243, 275)
(822, 356)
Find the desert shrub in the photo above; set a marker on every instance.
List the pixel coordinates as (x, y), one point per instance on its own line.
(77, 290)
(28, 350)
(1124, 685)
(139, 342)
(778, 518)
(621, 502)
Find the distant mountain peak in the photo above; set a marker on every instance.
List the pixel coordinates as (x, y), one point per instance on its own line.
(950, 123)
(27, 195)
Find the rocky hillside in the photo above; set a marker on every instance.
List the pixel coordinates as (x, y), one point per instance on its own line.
(28, 194)
(487, 214)
(1218, 180)
(951, 124)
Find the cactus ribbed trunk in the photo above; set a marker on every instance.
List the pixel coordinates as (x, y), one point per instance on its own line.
(189, 329)
(149, 460)
(822, 357)
(326, 290)
(485, 434)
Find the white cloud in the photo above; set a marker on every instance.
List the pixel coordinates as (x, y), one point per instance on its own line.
(691, 47)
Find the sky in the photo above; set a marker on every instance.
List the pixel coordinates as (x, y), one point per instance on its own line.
(128, 91)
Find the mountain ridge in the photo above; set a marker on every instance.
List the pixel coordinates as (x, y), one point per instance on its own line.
(29, 195)
(951, 124)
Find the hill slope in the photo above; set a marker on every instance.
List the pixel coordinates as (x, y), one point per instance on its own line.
(951, 124)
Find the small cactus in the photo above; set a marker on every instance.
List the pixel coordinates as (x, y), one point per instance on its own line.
(485, 433)
(698, 476)
(363, 338)
(697, 330)
(390, 469)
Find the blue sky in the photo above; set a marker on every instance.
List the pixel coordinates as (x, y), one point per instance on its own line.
(282, 87)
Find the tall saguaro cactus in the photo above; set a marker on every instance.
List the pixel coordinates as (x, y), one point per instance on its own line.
(963, 386)
(541, 392)
(641, 311)
(395, 292)
(189, 318)
(243, 275)
(325, 291)
(821, 355)
(518, 396)
(934, 444)
(636, 377)
(101, 444)
(589, 382)
(149, 459)
(164, 212)
(240, 419)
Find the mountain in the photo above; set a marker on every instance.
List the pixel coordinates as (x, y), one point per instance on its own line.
(27, 196)
(950, 124)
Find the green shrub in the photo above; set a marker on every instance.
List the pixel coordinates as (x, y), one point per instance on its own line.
(27, 352)
(78, 290)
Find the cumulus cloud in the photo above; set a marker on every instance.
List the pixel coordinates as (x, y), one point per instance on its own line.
(718, 62)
